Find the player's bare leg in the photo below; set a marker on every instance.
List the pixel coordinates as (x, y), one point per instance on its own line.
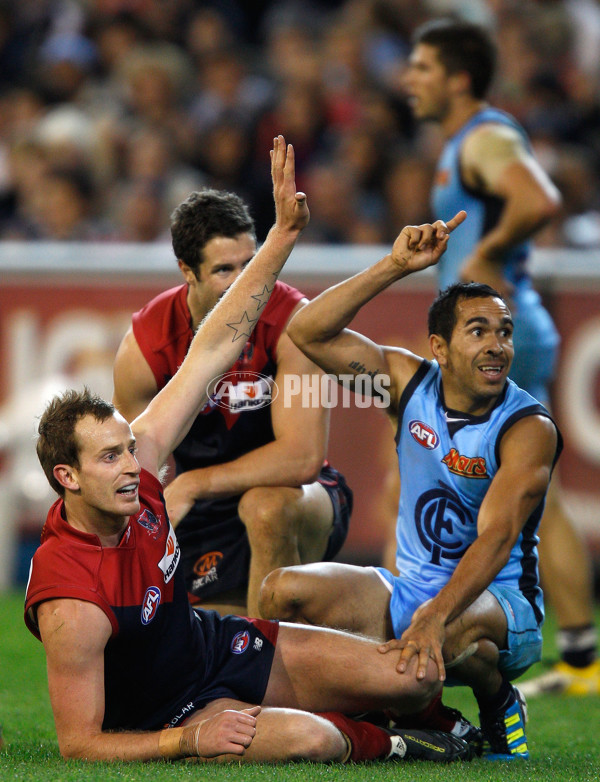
(482, 629)
(283, 735)
(564, 565)
(285, 526)
(329, 594)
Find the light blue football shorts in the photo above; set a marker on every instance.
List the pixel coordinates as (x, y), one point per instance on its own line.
(524, 640)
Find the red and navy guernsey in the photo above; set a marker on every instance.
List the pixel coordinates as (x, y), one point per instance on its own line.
(155, 659)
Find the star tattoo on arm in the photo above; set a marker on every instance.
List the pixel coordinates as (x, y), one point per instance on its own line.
(243, 327)
(263, 297)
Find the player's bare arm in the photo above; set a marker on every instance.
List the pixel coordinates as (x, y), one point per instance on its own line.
(134, 383)
(74, 634)
(496, 161)
(293, 458)
(320, 329)
(527, 454)
(169, 416)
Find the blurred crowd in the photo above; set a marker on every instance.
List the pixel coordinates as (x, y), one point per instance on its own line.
(112, 111)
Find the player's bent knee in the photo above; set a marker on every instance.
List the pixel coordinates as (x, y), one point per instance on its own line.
(414, 694)
(280, 595)
(316, 739)
(264, 512)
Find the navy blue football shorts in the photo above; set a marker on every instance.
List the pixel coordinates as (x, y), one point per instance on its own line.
(214, 544)
(238, 660)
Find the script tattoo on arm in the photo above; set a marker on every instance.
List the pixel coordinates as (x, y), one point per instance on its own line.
(361, 369)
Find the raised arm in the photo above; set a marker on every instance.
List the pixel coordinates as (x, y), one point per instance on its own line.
(294, 457)
(223, 333)
(320, 329)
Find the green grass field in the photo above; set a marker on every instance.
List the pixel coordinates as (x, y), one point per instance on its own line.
(563, 734)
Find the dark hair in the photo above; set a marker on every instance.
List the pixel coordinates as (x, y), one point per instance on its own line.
(57, 443)
(203, 215)
(442, 318)
(462, 46)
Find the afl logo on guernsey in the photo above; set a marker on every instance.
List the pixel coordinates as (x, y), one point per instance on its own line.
(240, 642)
(424, 434)
(150, 604)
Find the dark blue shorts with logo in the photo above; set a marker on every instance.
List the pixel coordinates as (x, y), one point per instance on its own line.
(214, 545)
(239, 656)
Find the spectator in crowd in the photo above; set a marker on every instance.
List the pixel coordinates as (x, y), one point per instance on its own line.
(325, 69)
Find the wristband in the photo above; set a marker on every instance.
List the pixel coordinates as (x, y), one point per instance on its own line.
(169, 743)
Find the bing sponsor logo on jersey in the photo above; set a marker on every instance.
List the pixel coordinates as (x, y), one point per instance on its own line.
(238, 391)
(240, 642)
(424, 434)
(150, 604)
(171, 558)
(465, 466)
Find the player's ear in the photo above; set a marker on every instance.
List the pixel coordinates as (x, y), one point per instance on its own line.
(439, 349)
(66, 476)
(187, 272)
(461, 83)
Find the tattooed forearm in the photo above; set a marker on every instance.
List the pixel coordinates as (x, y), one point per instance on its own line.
(243, 327)
(263, 297)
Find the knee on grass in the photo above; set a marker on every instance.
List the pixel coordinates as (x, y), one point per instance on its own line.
(304, 736)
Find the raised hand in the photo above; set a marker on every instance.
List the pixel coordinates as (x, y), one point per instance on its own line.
(291, 210)
(420, 246)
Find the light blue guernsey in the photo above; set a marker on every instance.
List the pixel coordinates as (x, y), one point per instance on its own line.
(447, 461)
(536, 339)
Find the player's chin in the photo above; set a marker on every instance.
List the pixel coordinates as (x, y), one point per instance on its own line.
(493, 379)
(491, 388)
(128, 504)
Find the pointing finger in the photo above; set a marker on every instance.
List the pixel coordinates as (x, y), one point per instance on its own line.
(458, 218)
